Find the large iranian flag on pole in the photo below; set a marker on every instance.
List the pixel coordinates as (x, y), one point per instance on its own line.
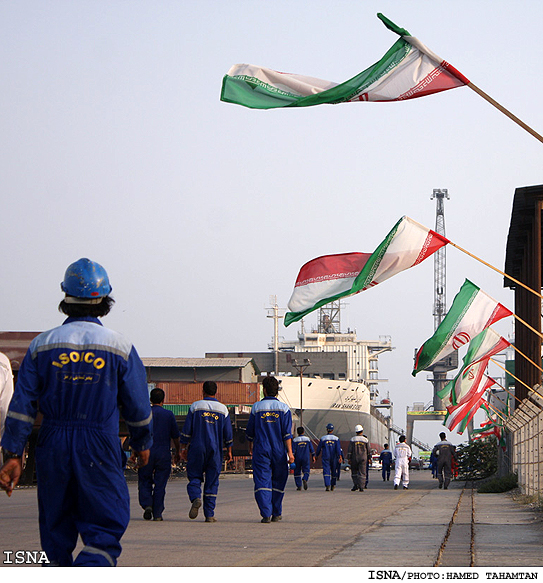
(331, 277)
(407, 70)
(471, 312)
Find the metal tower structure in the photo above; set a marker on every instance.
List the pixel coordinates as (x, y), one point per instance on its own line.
(440, 260)
(329, 318)
(441, 367)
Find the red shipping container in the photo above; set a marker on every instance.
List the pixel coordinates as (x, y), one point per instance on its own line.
(228, 393)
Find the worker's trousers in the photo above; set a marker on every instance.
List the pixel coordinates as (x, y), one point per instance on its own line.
(81, 491)
(358, 472)
(444, 472)
(204, 467)
(270, 475)
(402, 472)
(330, 471)
(152, 481)
(301, 471)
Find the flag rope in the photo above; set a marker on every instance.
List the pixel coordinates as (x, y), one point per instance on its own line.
(528, 359)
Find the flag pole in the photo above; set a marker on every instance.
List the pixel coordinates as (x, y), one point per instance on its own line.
(516, 378)
(499, 107)
(496, 269)
(528, 359)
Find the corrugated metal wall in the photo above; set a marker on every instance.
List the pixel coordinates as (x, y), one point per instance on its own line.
(185, 393)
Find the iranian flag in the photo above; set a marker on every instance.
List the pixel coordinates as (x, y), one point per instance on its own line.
(331, 277)
(461, 415)
(467, 382)
(471, 312)
(407, 70)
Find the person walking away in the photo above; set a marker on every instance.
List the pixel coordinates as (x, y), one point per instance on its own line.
(270, 441)
(385, 457)
(153, 477)
(445, 453)
(357, 456)
(304, 454)
(79, 376)
(6, 391)
(332, 457)
(403, 454)
(207, 430)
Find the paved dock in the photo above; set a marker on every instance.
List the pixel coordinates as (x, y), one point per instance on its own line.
(422, 527)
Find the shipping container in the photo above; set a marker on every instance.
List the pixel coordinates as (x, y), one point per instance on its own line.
(229, 393)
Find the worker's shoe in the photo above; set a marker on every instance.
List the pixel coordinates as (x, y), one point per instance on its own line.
(196, 503)
(211, 519)
(354, 488)
(158, 519)
(304, 482)
(328, 488)
(395, 486)
(266, 519)
(405, 488)
(276, 518)
(440, 486)
(298, 487)
(148, 513)
(332, 487)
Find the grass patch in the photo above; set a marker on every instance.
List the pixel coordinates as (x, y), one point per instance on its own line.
(496, 485)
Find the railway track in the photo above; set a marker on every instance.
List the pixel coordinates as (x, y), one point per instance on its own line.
(458, 546)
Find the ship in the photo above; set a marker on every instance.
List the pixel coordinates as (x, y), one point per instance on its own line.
(333, 378)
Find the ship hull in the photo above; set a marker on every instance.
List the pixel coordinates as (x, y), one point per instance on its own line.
(317, 402)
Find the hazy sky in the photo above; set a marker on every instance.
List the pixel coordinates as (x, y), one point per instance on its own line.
(115, 146)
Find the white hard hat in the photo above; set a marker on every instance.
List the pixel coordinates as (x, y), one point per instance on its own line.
(358, 429)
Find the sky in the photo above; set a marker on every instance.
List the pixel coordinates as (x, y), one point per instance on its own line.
(115, 146)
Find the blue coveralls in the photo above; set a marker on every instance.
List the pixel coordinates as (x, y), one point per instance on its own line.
(208, 429)
(330, 447)
(302, 449)
(80, 374)
(153, 478)
(269, 426)
(386, 463)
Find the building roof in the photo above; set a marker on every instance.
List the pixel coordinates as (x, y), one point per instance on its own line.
(197, 362)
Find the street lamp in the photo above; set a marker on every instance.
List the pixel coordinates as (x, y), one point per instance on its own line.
(300, 367)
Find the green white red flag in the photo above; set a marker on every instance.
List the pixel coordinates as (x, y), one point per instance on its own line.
(460, 415)
(468, 380)
(331, 277)
(471, 312)
(407, 70)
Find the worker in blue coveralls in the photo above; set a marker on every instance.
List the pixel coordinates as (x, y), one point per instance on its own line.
(386, 457)
(304, 454)
(153, 477)
(332, 457)
(207, 430)
(79, 376)
(270, 438)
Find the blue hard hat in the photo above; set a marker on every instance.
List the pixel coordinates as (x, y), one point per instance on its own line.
(329, 427)
(86, 279)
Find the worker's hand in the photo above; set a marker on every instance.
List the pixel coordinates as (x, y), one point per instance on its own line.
(183, 455)
(290, 458)
(10, 473)
(141, 458)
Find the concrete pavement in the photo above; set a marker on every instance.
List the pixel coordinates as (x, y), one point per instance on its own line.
(380, 527)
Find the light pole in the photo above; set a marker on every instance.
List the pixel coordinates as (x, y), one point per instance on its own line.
(300, 367)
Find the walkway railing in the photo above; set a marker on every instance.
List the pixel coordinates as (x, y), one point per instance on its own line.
(524, 452)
